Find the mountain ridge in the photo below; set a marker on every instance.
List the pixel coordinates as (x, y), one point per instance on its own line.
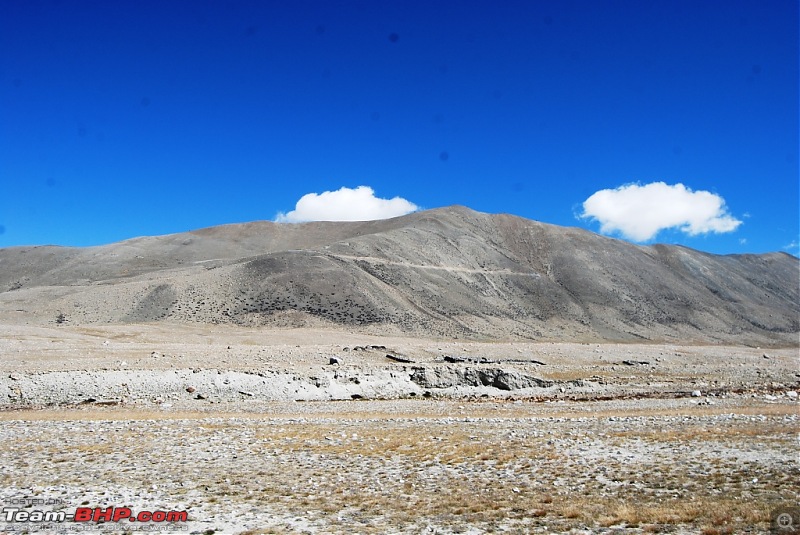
(446, 272)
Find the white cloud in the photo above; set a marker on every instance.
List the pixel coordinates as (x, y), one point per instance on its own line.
(640, 212)
(346, 204)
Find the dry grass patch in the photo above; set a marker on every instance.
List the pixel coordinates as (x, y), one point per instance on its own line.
(711, 511)
(429, 443)
(768, 429)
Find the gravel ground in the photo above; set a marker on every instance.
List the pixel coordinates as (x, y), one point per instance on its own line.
(257, 432)
(413, 466)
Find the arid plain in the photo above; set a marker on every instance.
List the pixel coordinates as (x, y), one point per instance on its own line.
(445, 372)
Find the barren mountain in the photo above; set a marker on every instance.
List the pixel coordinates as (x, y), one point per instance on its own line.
(449, 272)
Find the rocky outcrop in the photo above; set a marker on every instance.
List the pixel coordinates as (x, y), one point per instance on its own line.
(449, 376)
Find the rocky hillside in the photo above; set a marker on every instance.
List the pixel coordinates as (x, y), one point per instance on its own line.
(449, 272)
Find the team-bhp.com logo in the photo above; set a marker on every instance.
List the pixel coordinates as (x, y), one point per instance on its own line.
(94, 514)
(118, 514)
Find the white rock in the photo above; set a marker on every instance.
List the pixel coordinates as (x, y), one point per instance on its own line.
(696, 393)
(792, 394)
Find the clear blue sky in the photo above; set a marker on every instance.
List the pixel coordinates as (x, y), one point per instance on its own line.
(127, 118)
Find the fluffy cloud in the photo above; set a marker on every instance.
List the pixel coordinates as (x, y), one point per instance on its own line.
(639, 212)
(346, 204)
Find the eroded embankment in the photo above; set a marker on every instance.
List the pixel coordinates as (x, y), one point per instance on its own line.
(21, 389)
